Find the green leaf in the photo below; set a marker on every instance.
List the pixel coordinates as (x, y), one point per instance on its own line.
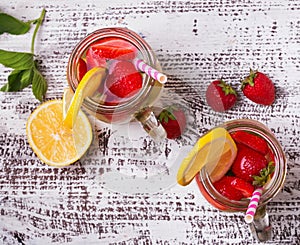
(16, 60)
(12, 25)
(13, 83)
(39, 85)
(18, 80)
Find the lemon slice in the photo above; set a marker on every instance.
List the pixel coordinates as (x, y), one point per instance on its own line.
(52, 142)
(67, 98)
(216, 150)
(88, 85)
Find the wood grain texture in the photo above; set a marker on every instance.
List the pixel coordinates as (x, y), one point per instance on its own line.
(196, 42)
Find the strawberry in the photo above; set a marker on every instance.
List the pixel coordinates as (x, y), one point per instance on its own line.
(234, 188)
(124, 80)
(251, 140)
(248, 163)
(173, 121)
(114, 48)
(220, 96)
(243, 186)
(81, 69)
(259, 88)
(94, 60)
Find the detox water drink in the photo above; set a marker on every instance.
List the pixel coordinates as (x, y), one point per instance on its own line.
(261, 226)
(114, 49)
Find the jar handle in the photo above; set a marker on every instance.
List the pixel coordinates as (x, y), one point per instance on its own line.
(151, 124)
(261, 227)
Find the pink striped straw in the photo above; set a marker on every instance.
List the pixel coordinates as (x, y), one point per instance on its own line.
(253, 205)
(142, 66)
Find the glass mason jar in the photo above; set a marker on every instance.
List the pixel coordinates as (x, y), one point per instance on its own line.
(136, 107)
(260, 227)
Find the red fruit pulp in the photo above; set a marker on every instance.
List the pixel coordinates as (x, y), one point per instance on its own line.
(251, 140)
(94, 60)
(81, 69)
(114, 48)
(123, 79)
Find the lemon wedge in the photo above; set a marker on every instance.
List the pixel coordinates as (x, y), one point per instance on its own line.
(89, 84)
(215, 151)
(67, 98)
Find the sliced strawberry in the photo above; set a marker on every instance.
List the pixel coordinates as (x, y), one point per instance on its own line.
(124, 79)
(251, 140)
(248, 163)
(81, 69)
(224, 187)
(243, 186)
(94, 60)
(114, 48)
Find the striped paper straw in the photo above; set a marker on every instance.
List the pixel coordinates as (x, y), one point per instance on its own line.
(253, 205)
(142, 66)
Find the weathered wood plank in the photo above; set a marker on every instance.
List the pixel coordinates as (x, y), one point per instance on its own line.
(196, 42)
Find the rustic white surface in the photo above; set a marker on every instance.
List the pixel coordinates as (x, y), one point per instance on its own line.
(196, 42)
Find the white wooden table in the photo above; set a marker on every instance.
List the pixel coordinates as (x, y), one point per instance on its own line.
(140, 203)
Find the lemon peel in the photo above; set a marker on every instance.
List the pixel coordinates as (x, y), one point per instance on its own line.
(88, 85)
(215, 151)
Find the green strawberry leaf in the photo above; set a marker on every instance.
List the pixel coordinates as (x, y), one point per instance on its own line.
(12, 25)
(167, 114)
(264, 175)
(16, 60)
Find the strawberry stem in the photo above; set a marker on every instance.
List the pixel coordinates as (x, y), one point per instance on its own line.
(265, 175)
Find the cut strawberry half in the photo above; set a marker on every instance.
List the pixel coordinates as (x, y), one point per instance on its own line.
(124, 80)
(251, 140)
(114, 48)
(234, 188)
(224, 187)
(243, 186)
(94, 60)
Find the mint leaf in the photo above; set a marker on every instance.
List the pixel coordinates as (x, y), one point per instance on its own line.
(12, 25)
(16, 60)
(17, 80)
(25, 70)
(39, 85)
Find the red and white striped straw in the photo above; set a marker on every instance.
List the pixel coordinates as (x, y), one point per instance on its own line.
(150, 71)
(253, 205)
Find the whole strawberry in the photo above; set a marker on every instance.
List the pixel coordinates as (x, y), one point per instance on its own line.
(259, 88)
(173, 120)
(220, 96)
(248, 163)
